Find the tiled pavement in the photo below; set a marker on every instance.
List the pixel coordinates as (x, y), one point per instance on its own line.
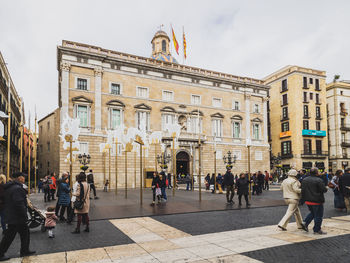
(158, 242)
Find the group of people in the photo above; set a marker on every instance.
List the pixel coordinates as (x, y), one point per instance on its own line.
(340, 183)
(159, 184)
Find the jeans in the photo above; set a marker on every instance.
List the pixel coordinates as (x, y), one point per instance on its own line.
(92, 186)
(164, 193)
(316, 214)
(266, 185)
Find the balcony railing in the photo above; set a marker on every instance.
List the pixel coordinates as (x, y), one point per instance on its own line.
(345, 127)
(314, 154)
(286, 155)
(345, 143)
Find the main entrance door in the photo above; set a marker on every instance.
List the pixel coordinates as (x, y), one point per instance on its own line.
(182, 163)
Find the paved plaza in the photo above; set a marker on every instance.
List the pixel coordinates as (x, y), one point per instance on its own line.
(200, 233)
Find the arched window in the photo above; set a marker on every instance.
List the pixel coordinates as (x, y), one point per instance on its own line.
(163, 45)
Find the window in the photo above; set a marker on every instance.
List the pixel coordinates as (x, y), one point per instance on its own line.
(217, 102)
(84, 147)
(343, 137)
(318, 112)
(317, 98)
(236, 105)
(48, 146)
(307, 146)
(317, 84)
(217, 127)
(115, 116)
(256, 131)
(163, 45)
(318, 146)
(285, 126)
(168, 95)
(305, 82)
(142, 118)
(142, 92)
(195, 99)
(341, 92)
(236, 129)
(311, 96)
(285, 113)
(342, 122)
(311, 80)
(167, 119)
(195, 127)
(286, 148)
(284, 99)
(318, 125)
(82, 84)
(115, 89)
(306, 111)
(284, 85)
(256, 108)
(305, 125)
(82, 114)
(305, 97)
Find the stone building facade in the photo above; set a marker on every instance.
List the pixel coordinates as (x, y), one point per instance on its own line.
(338, 105)
(105, 88)
(6, 84)
(298, 118)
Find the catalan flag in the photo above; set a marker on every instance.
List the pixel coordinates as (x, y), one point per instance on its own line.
(176, 45)
(184, 44)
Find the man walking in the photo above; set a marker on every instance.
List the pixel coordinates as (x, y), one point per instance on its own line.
(15, 211)
(229, 183)
(344, 186)
(291, 194)
(312, 192)
(261, 180)
(91, 182)
(267, 178)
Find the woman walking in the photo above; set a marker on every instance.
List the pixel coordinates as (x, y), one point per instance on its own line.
(163, 185)
(82, 203)
(156, 188)
(338, 196)
(64, 197)
(2, 203)
(242, 185)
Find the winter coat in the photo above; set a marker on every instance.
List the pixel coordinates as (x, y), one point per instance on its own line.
(344, 181)
(51, 219)
(219, 179)
(261, 179)
(90, 178)
(75, 188)
(228, 179)
(162, 182)
(156, 182)
(63, 194)
(2, 197)
(242, 185)
(291, 188)
(15, 209)
(313, 189)
(86, 195)
(53, 185)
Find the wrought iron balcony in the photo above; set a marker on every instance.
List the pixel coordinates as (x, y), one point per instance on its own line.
(345, 127)
(314, 154)
(287, 155)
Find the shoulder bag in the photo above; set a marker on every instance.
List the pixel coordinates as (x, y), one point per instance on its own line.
(79, 204)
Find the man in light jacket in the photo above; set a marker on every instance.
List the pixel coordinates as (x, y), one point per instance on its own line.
(291, 193)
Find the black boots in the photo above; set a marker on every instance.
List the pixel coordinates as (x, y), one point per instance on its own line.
(87, 229)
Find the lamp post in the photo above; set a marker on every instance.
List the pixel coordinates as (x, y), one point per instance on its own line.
(215, 163)
(128, 148)
(84, 159)
(163, 159)
(229, 160)
(140, 142)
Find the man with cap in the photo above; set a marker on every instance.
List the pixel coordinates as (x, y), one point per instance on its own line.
(291, 193)
(15, 211)
(229, 183)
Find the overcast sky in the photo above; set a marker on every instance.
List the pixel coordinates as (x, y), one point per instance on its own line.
(247, 38)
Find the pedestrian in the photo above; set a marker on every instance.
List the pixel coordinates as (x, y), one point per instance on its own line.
(312, 191)
(188, 182)
(2, 201)
(229, 184)
(338, 195)
(46, 189)
(255, 184)
(156, 191)
(261, 179)
(52, 186)
(58, 206)
(105, 188)
(40, 185)
(344, 186)
(169, 181)
(291, 188)
(242, 185)
(50, 221)
(162, 178)
(64, 196)
(267, 178)
(207, 182)
(82, 204)
(15, 211)
(91, 182)
(74, 193)
(219, 181)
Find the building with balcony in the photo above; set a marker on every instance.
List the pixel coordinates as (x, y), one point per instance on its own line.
(298, 117)
(104, 88)
(338, 105)
(15, 103)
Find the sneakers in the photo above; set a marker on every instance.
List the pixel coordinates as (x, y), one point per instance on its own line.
(320, 233)
(96, 197)
(283, 229)
(304, 227)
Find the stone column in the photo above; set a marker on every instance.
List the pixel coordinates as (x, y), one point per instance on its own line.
(247, 119)
(265, 99)
(64, 67)
(98, 99)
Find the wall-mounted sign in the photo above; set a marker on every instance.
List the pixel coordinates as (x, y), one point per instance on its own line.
(285, 134)
(313, 133)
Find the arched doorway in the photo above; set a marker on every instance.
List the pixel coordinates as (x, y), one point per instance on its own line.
(182, 163)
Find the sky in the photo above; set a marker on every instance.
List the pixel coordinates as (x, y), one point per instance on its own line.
(247, 38)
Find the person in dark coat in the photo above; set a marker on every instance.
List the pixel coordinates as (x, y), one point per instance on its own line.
(229, 184)
(46, 189)
(2, 201)
(15, 211)
(338, 195)
(162, 180)
(169, 181)
(64, 196)
(155, 185)
(242, 185)
(344, 186)
(91, 182)
(261, 180)
(212, 183)
(207, 182)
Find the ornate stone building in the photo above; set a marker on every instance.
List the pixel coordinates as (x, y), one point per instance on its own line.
(105, 88)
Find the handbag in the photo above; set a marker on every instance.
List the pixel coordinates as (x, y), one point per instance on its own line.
(79, 204)
(158, 191)
(330, 185)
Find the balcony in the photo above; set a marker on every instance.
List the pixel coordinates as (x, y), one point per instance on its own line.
(286, 155)
(345, 127)
(305, 86)
(314, 154)
(284, 118)
(345, 143)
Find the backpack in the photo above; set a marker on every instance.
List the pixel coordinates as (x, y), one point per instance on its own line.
(49, 181)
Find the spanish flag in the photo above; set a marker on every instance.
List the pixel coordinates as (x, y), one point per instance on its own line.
(176, 45)
(184, 43)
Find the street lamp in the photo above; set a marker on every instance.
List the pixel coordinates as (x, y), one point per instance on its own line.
(84, 159)
(229, 160)
(163, 159)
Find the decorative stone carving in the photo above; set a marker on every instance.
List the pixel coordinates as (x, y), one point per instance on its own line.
(183, 122)
(98, 72)
(65, 66)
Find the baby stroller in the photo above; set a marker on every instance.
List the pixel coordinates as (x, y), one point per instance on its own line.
(35, 217)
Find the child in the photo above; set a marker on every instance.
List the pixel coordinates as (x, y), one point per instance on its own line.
(106, 185)
(50, 221)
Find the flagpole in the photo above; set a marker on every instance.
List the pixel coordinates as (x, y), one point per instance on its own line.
(183, 45)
